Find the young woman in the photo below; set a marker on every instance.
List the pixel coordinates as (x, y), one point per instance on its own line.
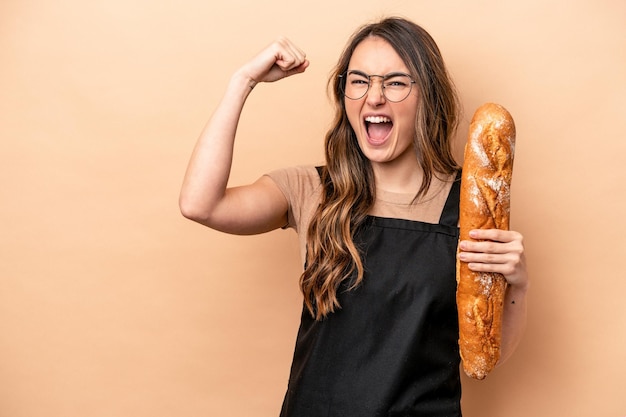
(377, 225)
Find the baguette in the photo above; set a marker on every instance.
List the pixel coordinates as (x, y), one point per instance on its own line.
(484, 204)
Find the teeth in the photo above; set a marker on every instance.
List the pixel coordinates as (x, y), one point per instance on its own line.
(377, 119)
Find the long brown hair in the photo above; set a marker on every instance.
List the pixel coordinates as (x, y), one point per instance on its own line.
(348, 179)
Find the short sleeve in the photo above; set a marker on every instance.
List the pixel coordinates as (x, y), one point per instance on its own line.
(301, 187)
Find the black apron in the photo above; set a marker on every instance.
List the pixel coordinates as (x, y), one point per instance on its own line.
(392, 348)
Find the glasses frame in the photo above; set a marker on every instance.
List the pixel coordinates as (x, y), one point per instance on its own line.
(344, 79)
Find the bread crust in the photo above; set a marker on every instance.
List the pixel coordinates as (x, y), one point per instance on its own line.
(484, 204)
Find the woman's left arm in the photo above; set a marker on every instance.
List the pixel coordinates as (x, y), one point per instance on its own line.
(502, 251)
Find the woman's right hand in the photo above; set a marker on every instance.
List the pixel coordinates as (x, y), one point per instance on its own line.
(280, 59)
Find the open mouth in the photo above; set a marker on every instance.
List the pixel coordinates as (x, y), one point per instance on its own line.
(378, 128)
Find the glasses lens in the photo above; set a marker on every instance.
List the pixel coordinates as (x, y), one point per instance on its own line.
(397, 87)
(356, 85)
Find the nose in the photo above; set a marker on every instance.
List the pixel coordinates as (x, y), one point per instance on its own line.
(375, 95)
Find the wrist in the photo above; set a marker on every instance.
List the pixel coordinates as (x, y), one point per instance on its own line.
(518, 288)
(238, 88)
(242, 80)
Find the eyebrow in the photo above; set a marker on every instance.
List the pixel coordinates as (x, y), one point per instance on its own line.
(389, 75)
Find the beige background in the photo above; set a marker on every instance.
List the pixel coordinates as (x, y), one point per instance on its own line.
(111, 304)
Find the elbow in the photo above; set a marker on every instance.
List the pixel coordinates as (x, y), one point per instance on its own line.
(192, 211)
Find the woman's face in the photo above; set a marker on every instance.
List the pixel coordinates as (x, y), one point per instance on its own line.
(384, 129)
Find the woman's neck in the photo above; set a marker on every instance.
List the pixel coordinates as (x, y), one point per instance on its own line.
(398, 178)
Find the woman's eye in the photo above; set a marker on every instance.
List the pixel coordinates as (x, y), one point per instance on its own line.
(359, 82)
(395, 83)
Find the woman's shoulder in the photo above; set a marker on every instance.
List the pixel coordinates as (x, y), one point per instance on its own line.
(297, 170)
(301, 179)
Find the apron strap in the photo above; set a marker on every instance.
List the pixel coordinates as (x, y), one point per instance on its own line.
(450, 213)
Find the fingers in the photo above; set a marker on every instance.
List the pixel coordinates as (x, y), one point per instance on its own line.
(280, 59)
(495, 235)
(288, 56)
(505, 263)
(499, 251)
(493, 241)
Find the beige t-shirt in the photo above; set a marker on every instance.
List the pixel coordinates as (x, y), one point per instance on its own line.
(302, 187)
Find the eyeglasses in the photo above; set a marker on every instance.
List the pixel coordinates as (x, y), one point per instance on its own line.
(396, 86)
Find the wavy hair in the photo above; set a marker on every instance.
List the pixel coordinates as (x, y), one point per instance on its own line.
(348, 179)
